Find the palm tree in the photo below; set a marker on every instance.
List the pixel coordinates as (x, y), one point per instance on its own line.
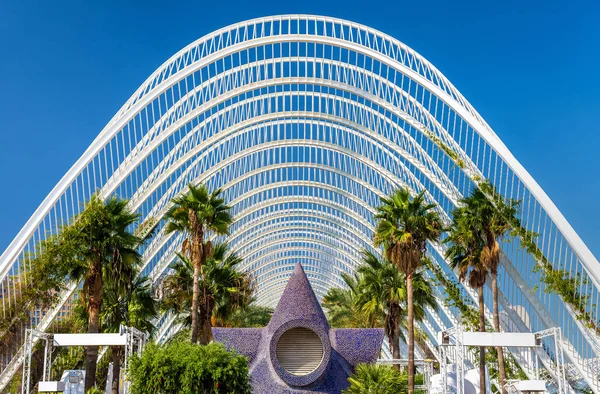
(196, 214)
(104, 249)
(491, 223)
(224, 288)
(373, 378)
(376, 297)
(131, 305)
(248, 316)
(383, 287)
(465, 257)
(344, 310)
(405, 225)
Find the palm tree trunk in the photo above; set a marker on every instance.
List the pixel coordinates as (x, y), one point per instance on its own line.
(501, 370)
(411, 334)
(206, 332)
(481, 348)
(195, 301)
(395, 339)
(206, 313)
(94, 303)
(116, 368)
(196, 256)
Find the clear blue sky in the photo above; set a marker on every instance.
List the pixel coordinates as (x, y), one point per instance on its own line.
(531, 68)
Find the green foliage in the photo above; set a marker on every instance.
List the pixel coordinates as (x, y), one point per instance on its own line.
(67, 358)
(555, 280)
(344, 310)
(182, 367)
(404, 226)
(455, 296)
(376, 297)
(379, 379)
(225, 289)
(195, 215)
(95, 390)
(66, 256)
(43, 276)
(247, 316)
(445, 148)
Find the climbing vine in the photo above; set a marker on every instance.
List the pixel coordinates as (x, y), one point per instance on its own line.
(555, 280)
(470, 314)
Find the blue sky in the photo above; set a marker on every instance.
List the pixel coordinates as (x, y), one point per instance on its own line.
(529, 67)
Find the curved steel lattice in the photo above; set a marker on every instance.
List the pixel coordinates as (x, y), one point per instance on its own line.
(305, 121)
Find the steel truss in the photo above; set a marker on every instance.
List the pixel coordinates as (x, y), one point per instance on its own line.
(304, 122)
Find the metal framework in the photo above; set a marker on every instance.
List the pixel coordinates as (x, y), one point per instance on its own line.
(305, 121)
(132, 339)
(453, 348)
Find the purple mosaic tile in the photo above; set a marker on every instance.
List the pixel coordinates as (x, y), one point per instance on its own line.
(299, 307)
(243, 340)
(357, 345)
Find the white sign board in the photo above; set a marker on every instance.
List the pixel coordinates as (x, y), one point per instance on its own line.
(89, 340)
(51, 387)
(494, 339)
(531, 385)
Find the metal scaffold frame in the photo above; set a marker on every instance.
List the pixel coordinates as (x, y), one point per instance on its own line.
(132, 339)
(305, 122)
(453, 348)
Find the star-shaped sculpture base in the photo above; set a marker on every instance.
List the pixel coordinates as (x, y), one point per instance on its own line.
(298, 307)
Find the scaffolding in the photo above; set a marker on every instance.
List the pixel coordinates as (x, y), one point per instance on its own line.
(131, 338)
(454, 342)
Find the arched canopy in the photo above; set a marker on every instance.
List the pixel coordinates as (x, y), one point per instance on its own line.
(304, 122)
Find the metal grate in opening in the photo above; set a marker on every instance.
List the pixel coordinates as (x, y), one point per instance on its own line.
(299, 351)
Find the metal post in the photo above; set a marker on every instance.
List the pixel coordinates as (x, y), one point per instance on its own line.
(26, 362)
(26, 380)
(45, 359)
(537, 363)
(560, 360)
(427, 374)
(460, 361)
(443, 368)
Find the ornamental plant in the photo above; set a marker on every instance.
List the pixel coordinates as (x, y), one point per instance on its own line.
(378, 379)
(182, 367)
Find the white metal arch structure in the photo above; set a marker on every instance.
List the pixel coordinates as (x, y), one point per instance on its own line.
(305, 121)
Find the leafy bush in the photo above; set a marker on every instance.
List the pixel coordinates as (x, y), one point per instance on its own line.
(379, 379)
(181, 367)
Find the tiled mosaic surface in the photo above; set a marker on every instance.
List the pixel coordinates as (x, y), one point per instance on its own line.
(299, 307)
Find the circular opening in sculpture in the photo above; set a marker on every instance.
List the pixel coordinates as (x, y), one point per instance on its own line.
(299, 351)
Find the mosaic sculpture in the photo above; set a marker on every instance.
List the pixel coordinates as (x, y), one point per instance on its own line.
(298, 352)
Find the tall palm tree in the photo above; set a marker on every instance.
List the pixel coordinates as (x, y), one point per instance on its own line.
(465, 257)
(196, 214)
(404, 227)
(224, 288)
(105, 246)
(491, 223)
(383, 287)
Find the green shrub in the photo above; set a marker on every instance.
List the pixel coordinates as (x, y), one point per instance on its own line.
(379, 379)
(94, 390)
(181, 367)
